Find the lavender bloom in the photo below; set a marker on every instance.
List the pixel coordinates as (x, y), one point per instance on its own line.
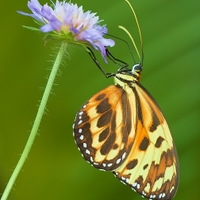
(67, 21)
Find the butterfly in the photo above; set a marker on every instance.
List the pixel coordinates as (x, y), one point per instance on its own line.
(121, 129)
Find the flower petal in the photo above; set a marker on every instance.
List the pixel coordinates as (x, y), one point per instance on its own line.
(70, 21)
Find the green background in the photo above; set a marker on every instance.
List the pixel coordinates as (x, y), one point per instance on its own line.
(55, 168)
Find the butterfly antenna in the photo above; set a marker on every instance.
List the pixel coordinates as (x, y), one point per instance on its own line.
(140, 34)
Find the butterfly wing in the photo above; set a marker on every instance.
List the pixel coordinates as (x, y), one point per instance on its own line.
(121, 129)
(104, 128)
(151, 167)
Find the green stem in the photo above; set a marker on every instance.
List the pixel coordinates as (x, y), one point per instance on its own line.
(36, 124)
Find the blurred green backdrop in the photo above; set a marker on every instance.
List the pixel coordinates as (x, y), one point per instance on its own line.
(55, 168)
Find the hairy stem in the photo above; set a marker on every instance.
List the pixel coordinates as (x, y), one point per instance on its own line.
(37, 122)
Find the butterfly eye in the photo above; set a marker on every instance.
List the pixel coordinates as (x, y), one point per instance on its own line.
(136, 67)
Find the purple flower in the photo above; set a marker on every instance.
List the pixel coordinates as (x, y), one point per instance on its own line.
(67, 21)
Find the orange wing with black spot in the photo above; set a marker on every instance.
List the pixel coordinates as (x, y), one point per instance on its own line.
(121, 129)
(103, 129)
(152, 167)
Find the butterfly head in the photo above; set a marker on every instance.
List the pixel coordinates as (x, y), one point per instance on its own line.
(126, 76)
(137, 68)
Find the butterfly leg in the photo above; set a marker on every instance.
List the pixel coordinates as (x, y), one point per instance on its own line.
(123, 65)
(118, 62)
(107, 75)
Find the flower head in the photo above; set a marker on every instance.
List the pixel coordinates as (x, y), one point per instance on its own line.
(69, 22)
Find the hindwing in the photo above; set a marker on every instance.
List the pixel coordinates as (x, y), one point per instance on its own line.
(104, 128)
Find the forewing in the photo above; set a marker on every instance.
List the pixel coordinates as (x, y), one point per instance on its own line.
(151, 167)
(104, 128)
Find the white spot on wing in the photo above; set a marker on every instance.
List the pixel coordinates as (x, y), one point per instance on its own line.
(91, 159)
(124, 156)
(80, 130)
(80, 113)
(134, 184)
(81, 137)
(163, 195)
(171, 189)
(152, 196)
(143, 193)
(95, 163)
(118, 161)
(127, 180)
(85, 145)
(80, 122)
(110, 164)
(87, 151)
